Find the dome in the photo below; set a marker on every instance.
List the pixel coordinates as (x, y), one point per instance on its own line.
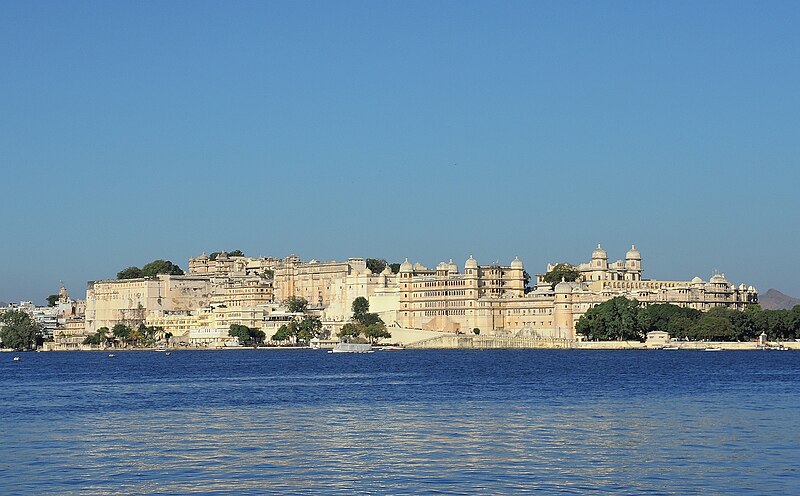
(471, 263)
(599, 252)
(452, 267)
(633, 254)
(516, 263)
(406, 266)
(441, 266)
(203, 256)
(697, 280)
(718, 279)
(386, 271)
(563, 287)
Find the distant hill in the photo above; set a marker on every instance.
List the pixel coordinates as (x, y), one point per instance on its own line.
(775, 300)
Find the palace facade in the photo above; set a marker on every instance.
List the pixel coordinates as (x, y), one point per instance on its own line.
(492, 298)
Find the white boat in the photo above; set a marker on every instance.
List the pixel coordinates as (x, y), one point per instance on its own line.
(392, 348)
(352, 348)
(713, 348)
(111, 355)
(16, 359)
(670, 348)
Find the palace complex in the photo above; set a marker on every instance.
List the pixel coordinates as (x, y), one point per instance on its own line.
(219, 290)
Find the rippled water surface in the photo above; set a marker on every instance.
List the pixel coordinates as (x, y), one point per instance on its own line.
(409, 422)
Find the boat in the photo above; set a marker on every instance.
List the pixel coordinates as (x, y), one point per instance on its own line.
(167, 353)
(392, 348)
(352, 348)
(16, 359)
(670, 348)
(111, 355)
(713, 348)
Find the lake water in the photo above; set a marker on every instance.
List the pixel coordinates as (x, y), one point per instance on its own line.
(407, 422)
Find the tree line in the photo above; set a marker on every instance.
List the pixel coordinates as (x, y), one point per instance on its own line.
(121, 334)
(621, 318)
(150, 270)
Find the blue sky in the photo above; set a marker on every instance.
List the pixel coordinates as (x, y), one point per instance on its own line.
(131, 131)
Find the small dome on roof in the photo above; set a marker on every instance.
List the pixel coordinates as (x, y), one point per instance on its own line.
(203, 256)
(471, 263)
(696, 280)
(441, 266)
(516, 263)
(751, 288)
(452, 267)
(718, 279)
(633, 254)
(386, 271)
(563, 287)
(599, 252)
(406, 266)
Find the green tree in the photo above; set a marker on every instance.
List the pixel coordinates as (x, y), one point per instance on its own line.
(236, 253)
(526, 278)
(122, 332)
(52, 300)
(268, 274)
(283, 333)
(714, 328)
(241, 332)
(161, 267)
(668, 318)
(18, 330)
(296, 304)
(565, 271)
(94, 339)
(130, 273)
(360, 307)
(376, 265)
(395, 268)
(615, 319)
(309, 328)
(349, 329)
(476, 331)
(376, 331)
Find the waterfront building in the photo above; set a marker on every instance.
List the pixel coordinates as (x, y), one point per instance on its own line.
(445, 299)
(313, 280)
(133, 301)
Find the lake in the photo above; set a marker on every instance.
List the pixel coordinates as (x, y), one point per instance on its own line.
(404, 422)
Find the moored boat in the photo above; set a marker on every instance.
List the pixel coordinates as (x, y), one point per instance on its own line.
(352, 348)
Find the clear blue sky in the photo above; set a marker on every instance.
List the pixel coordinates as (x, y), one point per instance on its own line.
(131, 131)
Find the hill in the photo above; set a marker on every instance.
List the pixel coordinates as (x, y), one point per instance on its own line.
(775, 300)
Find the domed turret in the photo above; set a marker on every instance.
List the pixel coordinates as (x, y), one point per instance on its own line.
(633, 254)
(452, 267)
(599, 253)
(406, 266)
(563, 287)
(386, 271)
(718, 279)
(517, 263)
(697, 280)
(471, 263)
